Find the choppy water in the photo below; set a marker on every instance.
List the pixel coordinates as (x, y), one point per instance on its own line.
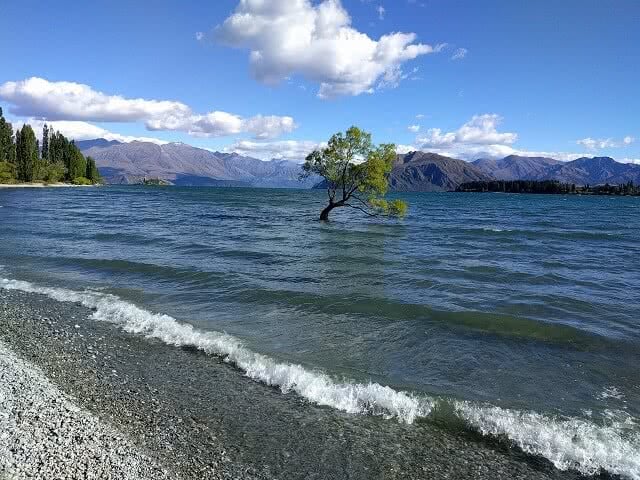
(517, 313)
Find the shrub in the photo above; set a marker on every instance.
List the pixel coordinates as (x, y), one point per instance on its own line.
(81, 181)
(7, 172)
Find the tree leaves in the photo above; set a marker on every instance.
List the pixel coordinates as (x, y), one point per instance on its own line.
(353, 168)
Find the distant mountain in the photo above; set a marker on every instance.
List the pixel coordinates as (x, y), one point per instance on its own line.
(583, 171)
(594, 171)
(429, 172)
(97, 142)
(181, 164)
(515, 167)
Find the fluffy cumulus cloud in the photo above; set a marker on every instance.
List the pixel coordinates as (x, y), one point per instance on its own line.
(479, 132)
(69, 101)
(37, 97)
(603, 143)
(83, 131)
(295, 150)
(479, 137)
(287, 37)
(413, 128)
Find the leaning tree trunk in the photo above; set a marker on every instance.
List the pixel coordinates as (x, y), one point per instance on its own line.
(324, 216)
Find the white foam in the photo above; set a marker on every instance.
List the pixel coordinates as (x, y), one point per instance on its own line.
(611, 392)
(569, 443)
(317, 387)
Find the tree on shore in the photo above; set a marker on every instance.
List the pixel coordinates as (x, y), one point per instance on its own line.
(7, 147)
(60, 160)
(355, 173)
(26, 154)
(45, 143)
(77, 164)
(93, 174)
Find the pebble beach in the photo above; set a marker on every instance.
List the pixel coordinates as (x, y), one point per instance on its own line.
(94, 401)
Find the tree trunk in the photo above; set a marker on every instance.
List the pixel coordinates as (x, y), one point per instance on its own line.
(324, 216)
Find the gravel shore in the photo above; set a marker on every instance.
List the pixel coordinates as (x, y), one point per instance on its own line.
(43, 434)
(192, 416)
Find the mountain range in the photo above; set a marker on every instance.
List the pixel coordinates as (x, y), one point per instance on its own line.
(181, 164)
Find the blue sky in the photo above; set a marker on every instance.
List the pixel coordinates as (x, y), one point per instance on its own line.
(473, 79)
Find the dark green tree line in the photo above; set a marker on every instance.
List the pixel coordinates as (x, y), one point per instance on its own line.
(7, 146)
(23, 159)
(26, 154)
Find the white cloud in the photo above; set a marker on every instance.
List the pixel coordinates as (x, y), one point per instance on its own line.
(37, 97)
(414, 128)
(200, 36)
(381, 11)
(477, 138)
(420, 116)
(269, 126)
(69, 101)
(603, 143)
(83, 131)
(481, 130)
(219, 124)
(459, 54)
(287, 37)
(402, 149)
(295, 150)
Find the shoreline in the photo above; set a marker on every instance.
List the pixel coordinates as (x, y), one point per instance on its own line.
(202, 417)
(41, 185)
(44, 434)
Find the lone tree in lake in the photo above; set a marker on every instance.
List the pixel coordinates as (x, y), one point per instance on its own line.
(355, 173)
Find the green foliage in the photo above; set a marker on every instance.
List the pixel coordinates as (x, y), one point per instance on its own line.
(26, 154)
(92, 171)
(395, 208)
(7, 146)
(61, 159)
(81, 181)
(7, 172)
(355, 173)
(45, 142)
(75, 162)
(548, 187)
(50, 172)
(57, 146)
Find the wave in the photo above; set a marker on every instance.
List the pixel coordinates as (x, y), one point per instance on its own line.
(317, 387)
(569, 443)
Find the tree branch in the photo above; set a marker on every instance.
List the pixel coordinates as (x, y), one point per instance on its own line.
(361, 209)
(361, 201)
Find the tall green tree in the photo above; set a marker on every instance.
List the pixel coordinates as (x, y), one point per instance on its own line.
(7, 147)
(92, 174)
(57, 147)
(45, 142)
(355, 173)
(26, 154)
(77, 164)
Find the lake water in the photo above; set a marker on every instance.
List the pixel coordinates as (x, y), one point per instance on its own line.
(515, 314)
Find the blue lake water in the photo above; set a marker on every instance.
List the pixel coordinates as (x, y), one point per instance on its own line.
(519, 311)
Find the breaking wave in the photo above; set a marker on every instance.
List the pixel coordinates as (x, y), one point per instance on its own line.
(569, 443)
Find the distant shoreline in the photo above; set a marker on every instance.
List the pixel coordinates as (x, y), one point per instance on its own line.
(41, 185)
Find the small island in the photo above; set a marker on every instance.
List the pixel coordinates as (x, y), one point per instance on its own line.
(58, 161)
(552, 187)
